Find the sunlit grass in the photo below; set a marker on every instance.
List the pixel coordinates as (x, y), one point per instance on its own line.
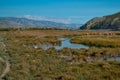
(98, 41)
(28, 63)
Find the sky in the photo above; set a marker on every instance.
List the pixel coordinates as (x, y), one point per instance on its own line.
(67, 11)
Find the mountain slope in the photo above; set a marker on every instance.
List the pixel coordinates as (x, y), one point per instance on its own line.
(13, 22)
(106, 22)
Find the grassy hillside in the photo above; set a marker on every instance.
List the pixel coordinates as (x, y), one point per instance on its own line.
(111, 22)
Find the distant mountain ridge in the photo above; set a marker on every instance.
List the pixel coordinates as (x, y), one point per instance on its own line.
(14, 22)
(111, 22)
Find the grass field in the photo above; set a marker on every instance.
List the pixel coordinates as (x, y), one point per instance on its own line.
(29, 63)
(98, 41)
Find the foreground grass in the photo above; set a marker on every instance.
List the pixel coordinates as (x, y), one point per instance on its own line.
(28, 63)
(2, 67)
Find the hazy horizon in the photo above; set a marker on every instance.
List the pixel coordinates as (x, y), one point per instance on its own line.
(65, 11)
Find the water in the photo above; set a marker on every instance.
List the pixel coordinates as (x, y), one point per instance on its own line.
(117, 58)
(65, 42)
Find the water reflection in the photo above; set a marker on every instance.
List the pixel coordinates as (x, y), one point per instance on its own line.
(114, 58)
(65, 42)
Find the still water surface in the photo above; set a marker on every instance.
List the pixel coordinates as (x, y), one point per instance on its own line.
(65, 42)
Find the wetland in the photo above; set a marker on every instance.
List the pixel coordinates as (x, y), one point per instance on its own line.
(76, 55)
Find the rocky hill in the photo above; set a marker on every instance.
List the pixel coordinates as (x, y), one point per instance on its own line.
(111, 22)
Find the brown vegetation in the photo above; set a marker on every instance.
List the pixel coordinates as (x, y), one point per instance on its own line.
(28, 63)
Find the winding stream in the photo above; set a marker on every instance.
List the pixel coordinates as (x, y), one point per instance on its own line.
(65, 42)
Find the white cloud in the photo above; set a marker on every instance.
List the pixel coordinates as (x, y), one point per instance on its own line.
(59, 20)
(76, 19)
(80, 19)
(70, 19)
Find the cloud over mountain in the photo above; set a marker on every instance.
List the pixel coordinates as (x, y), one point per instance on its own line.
(15, 22)
(58, 20)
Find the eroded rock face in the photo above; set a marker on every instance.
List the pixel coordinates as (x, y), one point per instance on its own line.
(107, 22)
(115, 20)
(94, 21)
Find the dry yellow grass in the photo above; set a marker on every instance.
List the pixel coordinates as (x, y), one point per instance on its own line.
(98, 41)
(28, 63)
(43, 33)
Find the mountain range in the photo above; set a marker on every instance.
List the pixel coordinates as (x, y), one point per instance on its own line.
(111, 22)
(14, 22)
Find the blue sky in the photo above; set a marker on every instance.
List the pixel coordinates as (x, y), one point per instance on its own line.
(76, 11)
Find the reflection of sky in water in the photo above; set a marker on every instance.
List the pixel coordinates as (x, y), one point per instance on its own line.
(65, 43)
(114, 59)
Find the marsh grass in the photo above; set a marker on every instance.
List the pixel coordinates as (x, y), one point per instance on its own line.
(28, 63)
(98, 41)
(2, 67)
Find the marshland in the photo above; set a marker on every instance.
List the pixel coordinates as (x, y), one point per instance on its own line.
(29, 61)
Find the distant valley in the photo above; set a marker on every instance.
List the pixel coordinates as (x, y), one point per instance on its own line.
(109, 22)
(14, 22)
